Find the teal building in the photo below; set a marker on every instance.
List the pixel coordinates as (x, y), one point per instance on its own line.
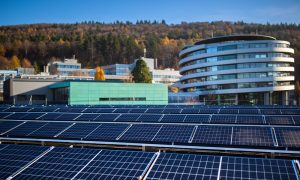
(109, 93)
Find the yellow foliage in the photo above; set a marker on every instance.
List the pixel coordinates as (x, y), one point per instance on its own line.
(15, 62)
(99, 75)
(26, 63)
(174, 89)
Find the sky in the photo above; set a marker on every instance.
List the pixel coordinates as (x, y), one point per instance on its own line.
(13, 12)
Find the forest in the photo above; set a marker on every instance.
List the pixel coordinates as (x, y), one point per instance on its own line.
(96, 43)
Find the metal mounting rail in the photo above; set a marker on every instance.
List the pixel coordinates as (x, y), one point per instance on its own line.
(220, 167)
(123, 132)
(149, 166)
(193, 134)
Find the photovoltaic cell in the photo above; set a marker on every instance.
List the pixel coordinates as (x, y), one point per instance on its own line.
(14, 157)
(149, 118)
(107, 132)
(248, 111)
(49, 130)
(174, 133)
(190, 111)
(173, 118)
(171, 111)
(106, 117)
(67, 117)
(63, 163)
(137, 110)
(16, 116)
(256, 168)
(208, 111)
(252, 136)
(185, 166)
(32, 116)
(196, 118)
(155, 110)
(270, 111)
(128, 117)
(4, 114)
(122, 110)
(25, 129)
(79, 131)
(50, 116)
(229, 111)
(288, 136)
(280, 120)
(248, 119)
(140, 132)
(116, 165)
(7, 125)
(87, 117)
(223, 119)
(213, 135)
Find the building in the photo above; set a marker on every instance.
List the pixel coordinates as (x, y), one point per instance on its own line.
(239, 69)
(73, 92)
(164, 76)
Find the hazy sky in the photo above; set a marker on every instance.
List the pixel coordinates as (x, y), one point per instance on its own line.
(173, 11)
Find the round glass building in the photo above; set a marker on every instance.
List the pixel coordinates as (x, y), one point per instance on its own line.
(239, 69)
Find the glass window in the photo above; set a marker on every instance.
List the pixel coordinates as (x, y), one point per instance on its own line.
(211, 49)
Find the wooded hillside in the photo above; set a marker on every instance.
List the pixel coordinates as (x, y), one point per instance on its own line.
(96, 43)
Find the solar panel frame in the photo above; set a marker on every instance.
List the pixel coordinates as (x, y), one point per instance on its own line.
(216, 135)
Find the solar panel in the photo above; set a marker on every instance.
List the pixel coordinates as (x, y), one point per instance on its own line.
(50, 116)
(63, 163)
(196, 118)
(122, 110)
(270, 111)
(284, 120)
(76, 110)
(137, 110)
(288, 136)
(16, 116)
(213, 135)
(7, 125)
(17, 109)
(256, 168)
(185, 166)
(229, 111)
(171, 111)
(67, 117)
(296, 119)
(128, 117)
(291, 111)
(26, 128)
(140, 132)
(149, 118)
(116, 165)
(252, 136)
(248, 119)
(106, 117)
(208, 111)
(223, 119)
(87, 117)
(91, 110)
(14, 157)
(190, 111)
(248, 111)
(79, 131)
(4, 114)
(62, 109)
(32, 116)
(173, 118)
(174, 133)
(49, 130)
(155, 110)
(42, 109)
(106, 110)
(107, 132)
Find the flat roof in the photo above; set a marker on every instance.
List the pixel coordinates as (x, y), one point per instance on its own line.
(250, 37)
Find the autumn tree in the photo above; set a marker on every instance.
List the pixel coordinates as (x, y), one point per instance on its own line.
(141, 72)
(36, 68)
(26, 63)
(4, 63)
(99, 75)
(15, 62)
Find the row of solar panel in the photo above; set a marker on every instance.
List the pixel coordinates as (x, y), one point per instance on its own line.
(40, 162)
(156, 133)
(158, 118)
(154, 110)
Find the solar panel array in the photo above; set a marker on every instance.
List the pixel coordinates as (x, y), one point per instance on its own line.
(40, 162)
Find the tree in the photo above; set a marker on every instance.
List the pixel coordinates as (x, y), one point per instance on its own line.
(141, 72)
(36, 67)
(15, 62)
(99, 75)
(4, 63)
(26, 63)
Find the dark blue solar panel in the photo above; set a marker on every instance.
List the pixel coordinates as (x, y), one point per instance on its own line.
(229, 111)
(67, 117)
(257, 168)
(252, 136)
(155, 110)
(137, 110)
(26, 129)
(197, 119)
(296, 119)
(171, 111)
(87, 117)
(270, 111)
(284, 120)
(248, 111)
(117, 165)
(288, 136)
(248, 119)
(32, 116)
(149, 118)
(174, 133)
(49, 130)
(208, 111)
(17, 109)
(106, 117)
(43, 109)
(185, 166)
(7, 125)
(79, 131)
(16, 116)
(223, 119)
(50, 116)
(14, 157)
(63, 163)
(173, 118)
(290, 111)
(190, 111)
(122, 110)
(76, 110)
(141, 132)
(107, 132)
(91, 110)
(106, 110)
(128, 117)
(213, 135)
(4, 114)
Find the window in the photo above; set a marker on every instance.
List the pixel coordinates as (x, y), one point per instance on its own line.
(123, 99)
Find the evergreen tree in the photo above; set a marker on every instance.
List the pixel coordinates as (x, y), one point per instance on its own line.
(141, 72)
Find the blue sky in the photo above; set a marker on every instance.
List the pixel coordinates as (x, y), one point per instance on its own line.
(14, 12)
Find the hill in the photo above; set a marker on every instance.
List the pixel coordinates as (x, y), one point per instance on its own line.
(96, 43)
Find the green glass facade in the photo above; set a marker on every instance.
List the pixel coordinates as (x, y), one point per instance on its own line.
(103, 93)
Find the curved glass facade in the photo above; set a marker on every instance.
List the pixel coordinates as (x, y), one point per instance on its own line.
(232, 67)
